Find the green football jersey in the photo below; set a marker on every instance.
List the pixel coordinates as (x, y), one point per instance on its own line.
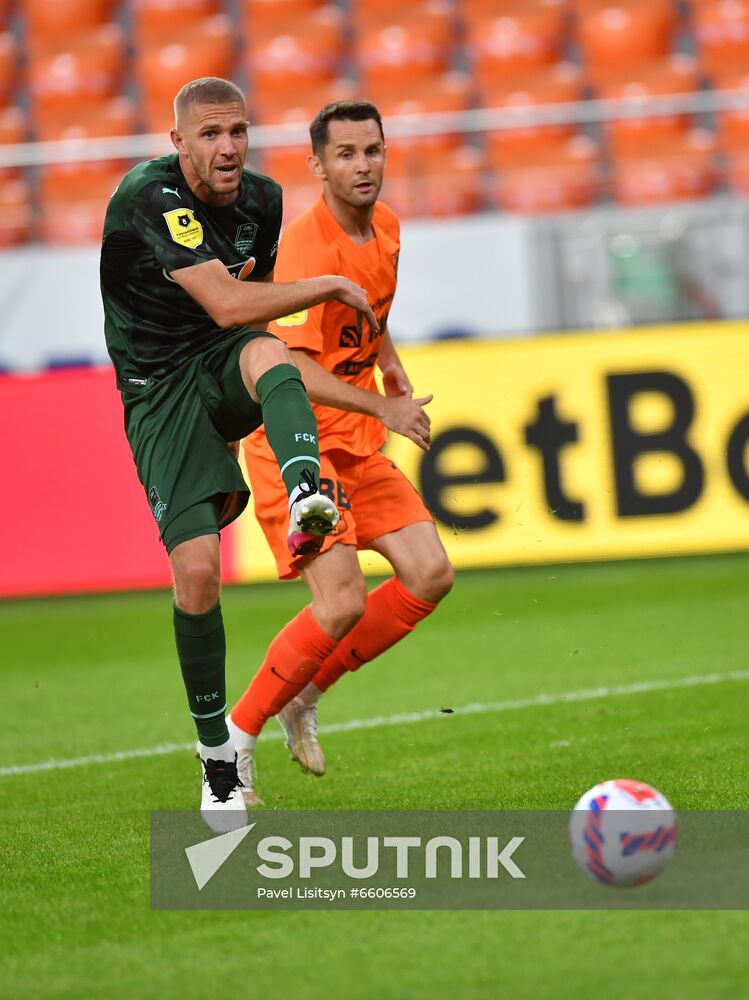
(155, 225)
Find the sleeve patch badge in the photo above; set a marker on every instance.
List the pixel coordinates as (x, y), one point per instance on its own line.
(293, 319)
(184, 228)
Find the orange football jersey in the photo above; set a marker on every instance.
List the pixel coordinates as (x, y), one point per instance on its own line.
(315, 244)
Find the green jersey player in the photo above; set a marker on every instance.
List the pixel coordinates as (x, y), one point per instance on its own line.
(187, 284)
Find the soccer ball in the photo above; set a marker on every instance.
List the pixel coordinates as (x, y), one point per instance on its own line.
(623, 832)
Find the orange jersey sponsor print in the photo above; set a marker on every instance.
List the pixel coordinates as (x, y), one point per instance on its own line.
(314, 244)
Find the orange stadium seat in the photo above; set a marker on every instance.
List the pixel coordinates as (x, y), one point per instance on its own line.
(515, 41)
(288, 166)
(13, 126)
(733, 123)
(113, 117)
(374, 13)
(159, 18)
(736, 172)
(53, 20)
(638, 84)
(83, 69)
(268, 15)
(424, 181)
(300, 107)
(162, 66)
(64, 183)
(307, 52)
(562, 175)
(73, 223)
(558, 85)
(404, 48)
(72, 207)
(16, 210)
(452, 181)
(721, 31)
(444, 93)
(671, 168)
(8, 64)
(616, 34)
(13, 130)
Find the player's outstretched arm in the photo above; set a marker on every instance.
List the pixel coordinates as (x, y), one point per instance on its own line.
(401, 414)
(233, 303)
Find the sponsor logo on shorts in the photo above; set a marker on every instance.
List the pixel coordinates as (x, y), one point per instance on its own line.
(157, 504)
(184, 228)
(293, 319)
(245, 238)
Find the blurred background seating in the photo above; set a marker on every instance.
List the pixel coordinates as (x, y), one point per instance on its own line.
(557, 93)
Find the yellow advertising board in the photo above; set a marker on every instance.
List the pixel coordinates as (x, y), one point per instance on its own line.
(578, 447)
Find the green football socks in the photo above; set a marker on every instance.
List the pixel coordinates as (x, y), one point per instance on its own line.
(201, 647)
(290, 424)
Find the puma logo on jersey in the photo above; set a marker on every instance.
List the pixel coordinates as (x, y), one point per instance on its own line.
(166, 190)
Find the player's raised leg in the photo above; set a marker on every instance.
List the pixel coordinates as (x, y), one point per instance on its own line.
(274, 381)
(201, 647)
(298, 653)
(423, 576)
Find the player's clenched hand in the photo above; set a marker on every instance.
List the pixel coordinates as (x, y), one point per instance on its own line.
(408, 417)
(351, 294)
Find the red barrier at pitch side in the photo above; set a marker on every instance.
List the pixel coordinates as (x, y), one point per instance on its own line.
(73, 516)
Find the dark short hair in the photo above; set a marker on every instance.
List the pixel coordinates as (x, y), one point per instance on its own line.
(206, 90)
(340, 111)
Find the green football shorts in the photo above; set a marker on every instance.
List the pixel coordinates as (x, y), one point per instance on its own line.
(178, 428)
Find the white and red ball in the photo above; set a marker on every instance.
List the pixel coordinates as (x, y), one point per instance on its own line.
(623, 832)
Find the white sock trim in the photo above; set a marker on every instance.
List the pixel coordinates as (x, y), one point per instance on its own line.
(299, 458)
(225, 751)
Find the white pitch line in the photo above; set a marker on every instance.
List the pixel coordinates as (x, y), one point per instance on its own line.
(404, 718)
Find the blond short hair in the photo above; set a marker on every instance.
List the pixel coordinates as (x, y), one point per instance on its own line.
(206, 90)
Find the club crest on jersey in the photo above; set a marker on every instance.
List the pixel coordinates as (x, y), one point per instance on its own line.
(184, 228)
(244, 241)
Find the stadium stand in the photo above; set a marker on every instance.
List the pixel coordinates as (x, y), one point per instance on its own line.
(557, 95)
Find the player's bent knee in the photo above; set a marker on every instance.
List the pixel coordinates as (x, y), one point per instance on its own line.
(197, 586)
(435, 581)
(264, 353)
(340, 611)
(444, 580)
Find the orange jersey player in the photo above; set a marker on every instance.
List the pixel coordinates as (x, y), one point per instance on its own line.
(346, 232)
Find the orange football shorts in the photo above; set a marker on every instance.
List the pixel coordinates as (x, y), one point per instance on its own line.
(371, 493)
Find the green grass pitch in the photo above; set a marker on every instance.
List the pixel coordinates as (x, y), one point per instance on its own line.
(98, 675)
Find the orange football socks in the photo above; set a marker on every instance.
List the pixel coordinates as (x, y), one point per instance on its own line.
(292, 660)
(390, 614)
